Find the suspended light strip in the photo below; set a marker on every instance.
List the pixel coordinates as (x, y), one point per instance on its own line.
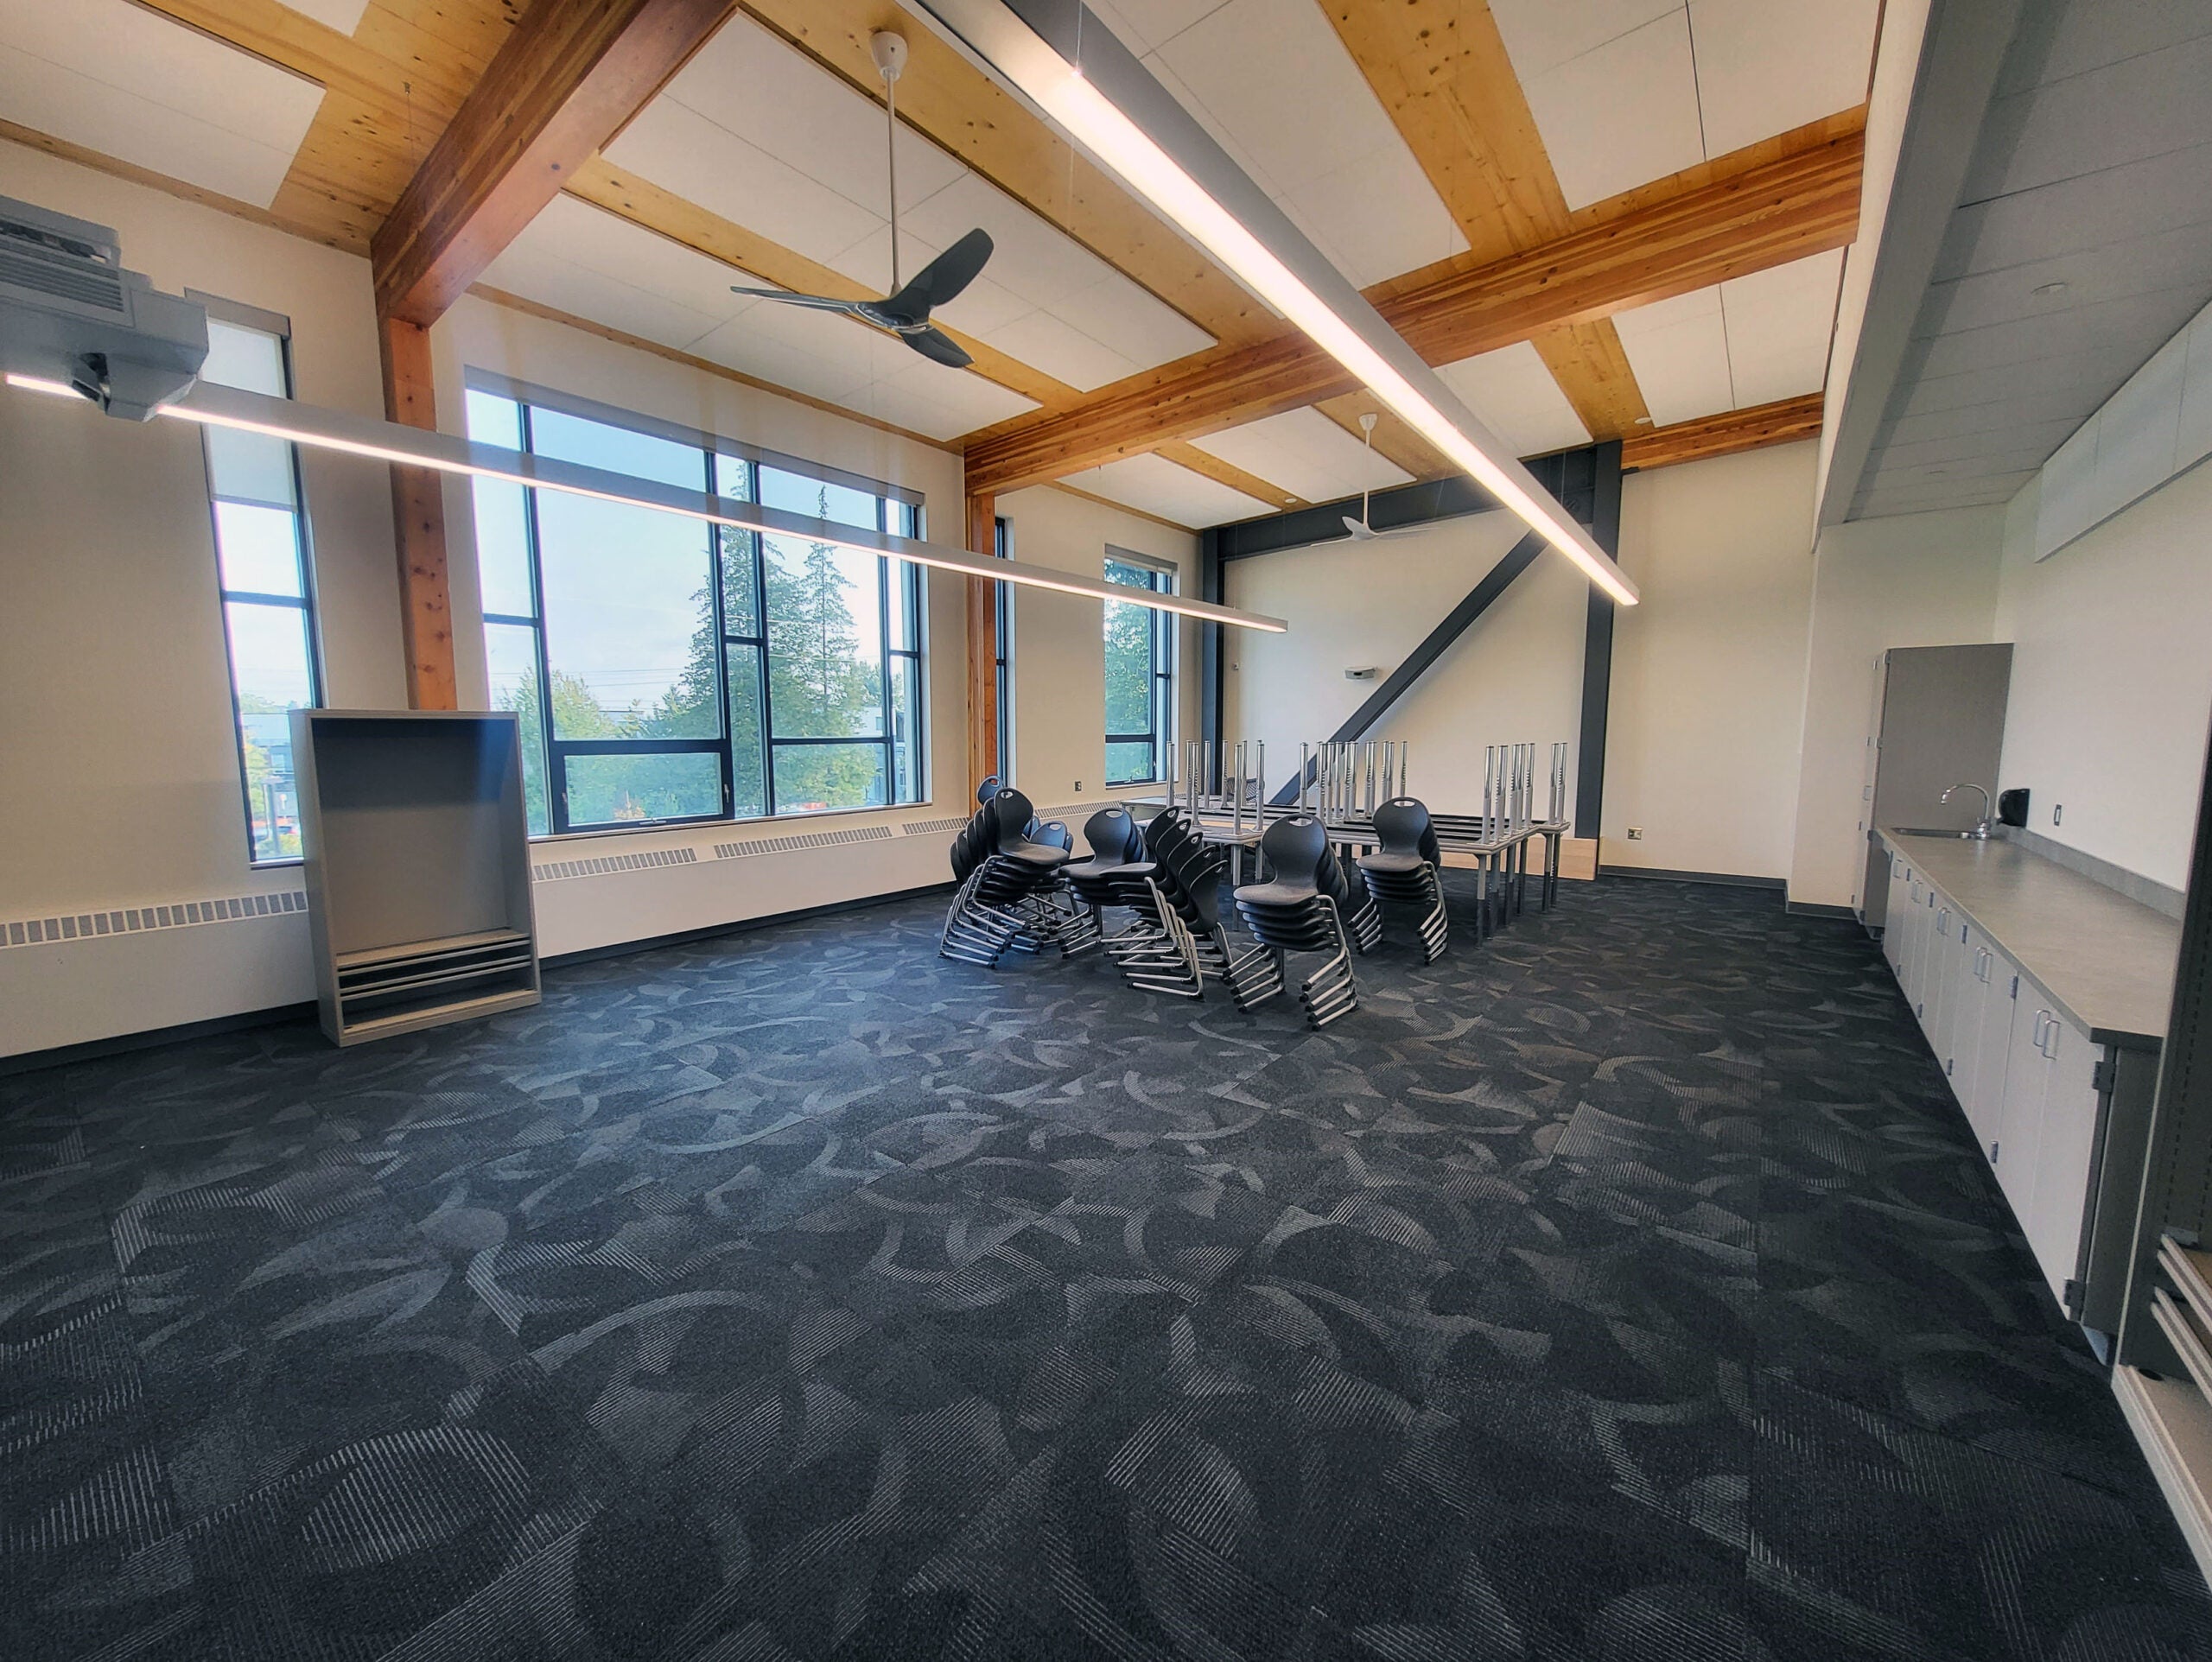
(358, 435)
(1158, 159)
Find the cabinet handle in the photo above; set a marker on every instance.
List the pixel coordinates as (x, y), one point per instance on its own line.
(2042, 1018)
(2051, 1039)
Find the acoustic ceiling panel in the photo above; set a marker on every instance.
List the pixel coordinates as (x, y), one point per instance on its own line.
(1155, 485)
(756, 132)
(1305, 453)
(1274, 85)
(1625, 92)
(1515, 396)
(344, 15)
(1679, 350)
(131, 84)
(1751, 341)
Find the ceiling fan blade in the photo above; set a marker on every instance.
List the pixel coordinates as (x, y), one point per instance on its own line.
(1359, 530)
(942, 279)
(817, 302)
(939, 347)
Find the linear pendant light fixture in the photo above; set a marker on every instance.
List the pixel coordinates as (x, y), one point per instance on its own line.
(210, 405)
(1070, 67)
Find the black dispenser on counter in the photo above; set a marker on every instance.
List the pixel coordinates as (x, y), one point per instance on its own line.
(2013, 807)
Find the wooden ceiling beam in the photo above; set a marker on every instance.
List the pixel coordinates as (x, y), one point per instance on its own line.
(1442, 73)
(569, 77)
(1224, 472)
(1729, 434)
(1394, 441)
(1767, 216)
(948, 101)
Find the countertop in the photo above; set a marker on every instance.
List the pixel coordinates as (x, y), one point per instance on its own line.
(2106, 962)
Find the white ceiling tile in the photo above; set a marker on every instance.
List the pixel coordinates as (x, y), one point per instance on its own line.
(1144, 24)
(1541, 34)
(531, 267)
(942, 403)
(1061, 351)
(1157, 486)
(868, 261)
(134, 85)
(683, 151)
(589, 237)
(1276, 78)
(1303, 451)
(1030, 257)
(1514, 395)
(820, 355)
(1621, 114)
(750, 83)
(344, 15)
(1765, 66)
(1779, 322)
(1142, 328)
(1679, 350)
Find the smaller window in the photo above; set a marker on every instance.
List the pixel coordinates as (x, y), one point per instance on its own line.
(263, 574)
(1140, 674)
(1002, 546)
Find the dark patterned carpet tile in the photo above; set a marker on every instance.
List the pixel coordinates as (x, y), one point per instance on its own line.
(57, 1255)
(2033, 1396)
(1889, 1527)
(1514, 1534)
(1962, 1276)
(1183, 1223)
(1720, 1201)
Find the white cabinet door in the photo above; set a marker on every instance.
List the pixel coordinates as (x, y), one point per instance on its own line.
(1893, 914)
(1984, 1094)
(2060, 1203)
(1939, 991)
(1969, 1006)
(2019, 1142)
(1916, 917)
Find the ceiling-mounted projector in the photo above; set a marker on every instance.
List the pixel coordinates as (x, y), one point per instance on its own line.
(69, 313)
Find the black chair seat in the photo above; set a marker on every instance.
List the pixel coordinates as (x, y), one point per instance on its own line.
(1038, 854)
(1385, 864)
(1273, 896)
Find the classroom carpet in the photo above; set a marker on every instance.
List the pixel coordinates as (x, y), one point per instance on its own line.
(1626, 1286)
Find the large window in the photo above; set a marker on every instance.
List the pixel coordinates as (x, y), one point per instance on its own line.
(1140, 674)
(261, 550)
(667, 670)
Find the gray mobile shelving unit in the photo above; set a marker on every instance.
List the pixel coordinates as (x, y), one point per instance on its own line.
(418, 868)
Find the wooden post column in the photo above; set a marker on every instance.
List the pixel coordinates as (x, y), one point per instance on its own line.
(418, 514)
(983, 648)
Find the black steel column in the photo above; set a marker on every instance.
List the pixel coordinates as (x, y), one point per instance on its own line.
(1598, 650)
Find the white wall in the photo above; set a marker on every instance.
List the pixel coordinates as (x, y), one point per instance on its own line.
(2112, 677)
(1915, 580)
(1059, 694)
(1708, 671)
(1514, 676)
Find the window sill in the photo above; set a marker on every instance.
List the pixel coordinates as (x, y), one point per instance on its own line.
(678, 828)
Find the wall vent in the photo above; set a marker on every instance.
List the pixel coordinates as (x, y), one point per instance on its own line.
(136, 920)
(930, 828)
(606, 865)
(802, 840)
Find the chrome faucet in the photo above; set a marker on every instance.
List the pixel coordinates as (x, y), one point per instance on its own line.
(1980, 832)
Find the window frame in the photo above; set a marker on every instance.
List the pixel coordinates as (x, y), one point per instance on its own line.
(1002, 602)
(898, 511)
(1161, 641)
(239, 314)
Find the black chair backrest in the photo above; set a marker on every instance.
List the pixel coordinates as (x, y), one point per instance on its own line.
(1014, 816)
(1053, 835)
(1294, 849)
(1108, 832)
(1401, 827)
(987, 790)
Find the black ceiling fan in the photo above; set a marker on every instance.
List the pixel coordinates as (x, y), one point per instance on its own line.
(905, 310)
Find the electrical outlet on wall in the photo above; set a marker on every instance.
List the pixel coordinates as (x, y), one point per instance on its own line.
(1078, 787)
(1635, 833)
(2057, 812)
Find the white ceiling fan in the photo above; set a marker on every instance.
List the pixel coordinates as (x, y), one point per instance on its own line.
(905, 310)
(1361, 529)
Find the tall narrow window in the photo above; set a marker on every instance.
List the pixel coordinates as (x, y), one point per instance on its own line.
(666, 670)
(1140, 674)
(261, 551)
(1002, 546)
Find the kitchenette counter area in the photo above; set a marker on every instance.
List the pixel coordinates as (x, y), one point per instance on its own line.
(2106, 962)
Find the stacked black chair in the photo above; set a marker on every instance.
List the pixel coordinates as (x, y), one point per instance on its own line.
(1177, 939)
(1297, 911)
(1009, 871)
(1115, 840)
(1405, 870)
